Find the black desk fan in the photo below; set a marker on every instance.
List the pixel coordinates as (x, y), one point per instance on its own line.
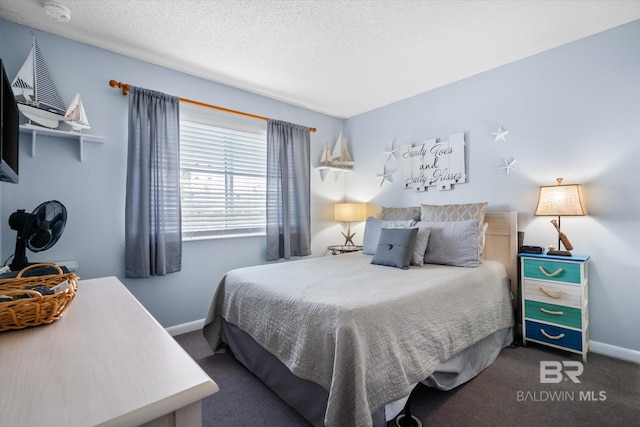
(37, 231)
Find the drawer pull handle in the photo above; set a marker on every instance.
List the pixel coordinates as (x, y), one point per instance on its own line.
(551, 337)
(546, 273)
(557, 313)
(551, 294)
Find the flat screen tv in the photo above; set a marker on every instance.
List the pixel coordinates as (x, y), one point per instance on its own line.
(9, 131)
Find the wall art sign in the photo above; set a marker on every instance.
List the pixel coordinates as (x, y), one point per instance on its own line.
(433, 163)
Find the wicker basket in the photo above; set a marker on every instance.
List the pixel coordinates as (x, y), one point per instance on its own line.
(38, 309)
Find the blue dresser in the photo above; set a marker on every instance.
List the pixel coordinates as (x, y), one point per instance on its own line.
(555, 301)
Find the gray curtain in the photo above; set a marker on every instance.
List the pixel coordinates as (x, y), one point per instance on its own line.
(153, 237)
(288, 190)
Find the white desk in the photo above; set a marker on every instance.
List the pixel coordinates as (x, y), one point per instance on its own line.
(106, 362)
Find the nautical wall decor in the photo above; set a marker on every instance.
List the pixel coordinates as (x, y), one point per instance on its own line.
(384, 176)
(500, 134)
(38, 98)
(508, 165)
(337, 160)
(339, 157)
(438, 164)
(390, 153)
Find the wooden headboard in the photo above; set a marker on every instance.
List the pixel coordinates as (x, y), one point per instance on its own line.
(501, 243)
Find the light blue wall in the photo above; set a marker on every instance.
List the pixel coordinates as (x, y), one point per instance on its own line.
(94, 190)
(571, 112)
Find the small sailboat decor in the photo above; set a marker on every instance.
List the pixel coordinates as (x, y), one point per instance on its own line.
(325, 159)
(38, 98)
(340, 156)
(75, 115)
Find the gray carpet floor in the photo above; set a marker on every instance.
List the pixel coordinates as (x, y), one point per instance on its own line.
(508, 393)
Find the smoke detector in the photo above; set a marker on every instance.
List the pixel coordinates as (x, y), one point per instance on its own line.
(57, 12)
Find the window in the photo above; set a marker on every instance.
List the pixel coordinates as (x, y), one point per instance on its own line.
(223, 169)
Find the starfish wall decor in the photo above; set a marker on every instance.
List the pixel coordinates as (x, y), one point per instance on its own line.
(500, 134)
(508, 166)
(391, 153)
(384, 176)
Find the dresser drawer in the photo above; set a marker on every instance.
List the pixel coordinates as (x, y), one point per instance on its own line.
(554, 335)
(568, 272)
(553, 313)
(553, 293)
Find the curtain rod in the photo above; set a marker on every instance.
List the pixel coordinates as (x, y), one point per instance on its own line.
(126, 88)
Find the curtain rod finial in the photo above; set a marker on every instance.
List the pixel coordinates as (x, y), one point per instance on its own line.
(125, 87)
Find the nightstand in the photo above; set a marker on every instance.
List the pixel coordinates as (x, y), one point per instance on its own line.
(555, 300)
(343, 249)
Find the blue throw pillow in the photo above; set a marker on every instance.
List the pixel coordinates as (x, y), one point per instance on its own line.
(395, 247)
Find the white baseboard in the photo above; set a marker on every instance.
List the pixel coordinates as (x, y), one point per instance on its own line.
(614, 351)
(185, 327)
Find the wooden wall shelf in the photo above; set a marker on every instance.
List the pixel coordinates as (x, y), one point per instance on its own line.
(80, 137)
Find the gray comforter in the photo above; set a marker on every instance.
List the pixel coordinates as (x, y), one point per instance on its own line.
(364, 332)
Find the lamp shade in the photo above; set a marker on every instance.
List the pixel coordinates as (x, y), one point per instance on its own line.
(560, 200)
(350, 212)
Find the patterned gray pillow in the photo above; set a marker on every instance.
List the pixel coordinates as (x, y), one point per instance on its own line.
(395, 247)
(400, 214)
(459, 212)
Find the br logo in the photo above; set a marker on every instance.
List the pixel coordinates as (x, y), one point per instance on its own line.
(553, 372)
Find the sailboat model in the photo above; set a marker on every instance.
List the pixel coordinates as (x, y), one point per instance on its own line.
(340, 156)
(41, 101)
(75, 115)
(325, 159)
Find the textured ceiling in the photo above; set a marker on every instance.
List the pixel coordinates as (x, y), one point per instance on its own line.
(338, 57)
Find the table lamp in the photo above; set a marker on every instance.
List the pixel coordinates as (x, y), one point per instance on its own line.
(348, 212)
(560, 200)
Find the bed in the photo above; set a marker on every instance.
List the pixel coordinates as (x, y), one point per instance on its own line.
(344, 341)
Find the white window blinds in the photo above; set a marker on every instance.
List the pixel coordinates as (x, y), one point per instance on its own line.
(222, 177)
